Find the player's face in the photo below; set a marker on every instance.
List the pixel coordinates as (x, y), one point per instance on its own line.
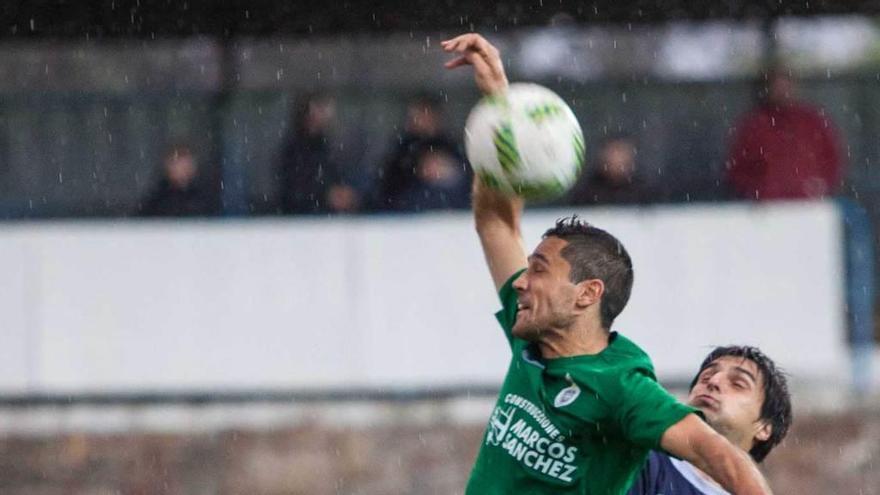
(546, 295)
(730, 392)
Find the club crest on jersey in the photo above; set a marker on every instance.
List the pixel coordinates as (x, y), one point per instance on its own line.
(567, 395)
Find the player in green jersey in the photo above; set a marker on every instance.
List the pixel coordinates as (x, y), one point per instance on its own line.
(580, 406)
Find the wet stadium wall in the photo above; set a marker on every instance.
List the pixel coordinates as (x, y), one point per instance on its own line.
(391, 302)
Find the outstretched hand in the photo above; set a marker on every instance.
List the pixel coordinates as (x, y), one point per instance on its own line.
(473, 49)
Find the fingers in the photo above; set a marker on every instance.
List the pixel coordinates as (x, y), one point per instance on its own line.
(450, 45)
(468, 45)
(473, 49)
(481, 66)
(470, 41)
(457, 62)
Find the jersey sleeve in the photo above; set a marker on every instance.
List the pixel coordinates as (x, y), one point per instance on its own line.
(647, 410)
(507, 315)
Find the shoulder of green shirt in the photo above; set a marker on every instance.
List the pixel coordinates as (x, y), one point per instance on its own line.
(628, 354)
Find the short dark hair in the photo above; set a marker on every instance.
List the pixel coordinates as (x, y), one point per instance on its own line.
(776, 408)
(593, 253)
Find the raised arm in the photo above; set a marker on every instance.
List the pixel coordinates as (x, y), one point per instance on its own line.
(693, 440)
(497, 219)
(496, 215)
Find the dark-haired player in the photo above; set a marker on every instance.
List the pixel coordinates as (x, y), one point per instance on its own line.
(580, 407)
(743, 396)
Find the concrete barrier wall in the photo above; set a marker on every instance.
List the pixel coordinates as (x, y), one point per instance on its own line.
(390, 302)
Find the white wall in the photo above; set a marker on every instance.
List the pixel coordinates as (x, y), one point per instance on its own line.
(390, 302)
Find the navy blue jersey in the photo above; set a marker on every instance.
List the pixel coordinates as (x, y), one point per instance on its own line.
(665, 475)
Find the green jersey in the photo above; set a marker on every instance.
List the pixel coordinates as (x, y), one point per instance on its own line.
(571, 425)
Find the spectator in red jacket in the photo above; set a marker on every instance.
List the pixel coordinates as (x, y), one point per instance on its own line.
(784, 148)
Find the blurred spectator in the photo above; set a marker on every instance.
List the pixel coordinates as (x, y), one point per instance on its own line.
(310, 181)
(440, 183)
(787, 149)
(178, 192)
(614, 179)
(784, 148)
(407, 184)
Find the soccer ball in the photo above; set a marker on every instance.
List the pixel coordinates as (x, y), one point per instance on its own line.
(526, 142)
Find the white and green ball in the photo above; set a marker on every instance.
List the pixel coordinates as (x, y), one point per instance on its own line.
(526, 142)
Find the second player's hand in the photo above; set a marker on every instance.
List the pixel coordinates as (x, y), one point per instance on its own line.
(473, 49)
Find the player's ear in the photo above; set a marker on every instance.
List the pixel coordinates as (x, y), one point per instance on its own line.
(764, 431)
(590, 292)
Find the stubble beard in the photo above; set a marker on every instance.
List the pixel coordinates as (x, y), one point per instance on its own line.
(526, 331)
(537, 331)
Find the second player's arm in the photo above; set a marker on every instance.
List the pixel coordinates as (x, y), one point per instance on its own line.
(693, 440)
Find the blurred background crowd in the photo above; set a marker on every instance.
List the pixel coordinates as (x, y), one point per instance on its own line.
(338, 123)
(340, 150)
(782, 148)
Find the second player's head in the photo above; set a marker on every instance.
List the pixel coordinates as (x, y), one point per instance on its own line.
(577, 272)
(745, 397)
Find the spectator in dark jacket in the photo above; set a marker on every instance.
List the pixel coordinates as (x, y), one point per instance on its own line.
(310, 182)
(440, 183)
(613, 180)
(400, 174)
(178, 193)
